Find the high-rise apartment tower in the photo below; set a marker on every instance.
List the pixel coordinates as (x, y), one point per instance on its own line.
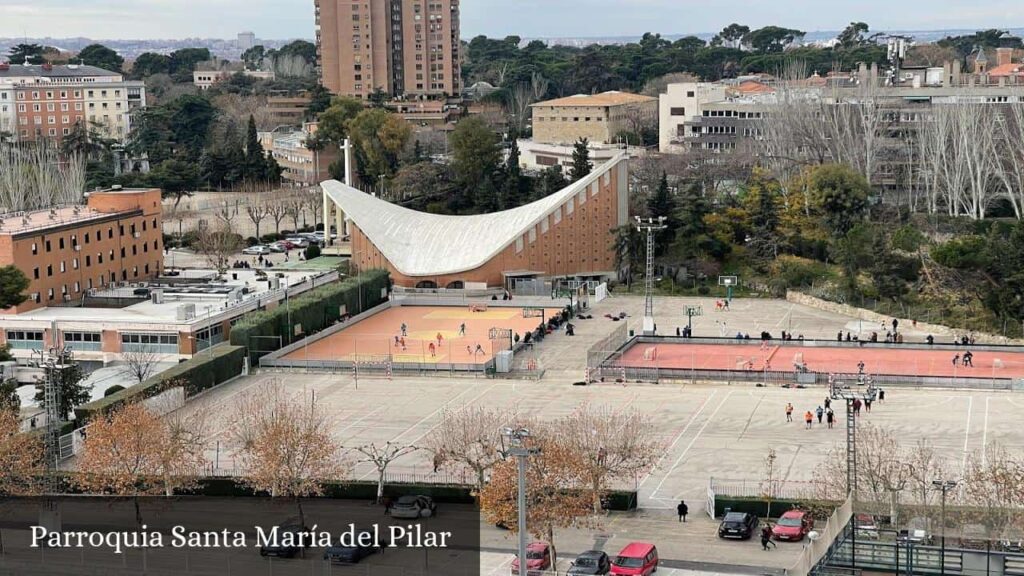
(403, 47)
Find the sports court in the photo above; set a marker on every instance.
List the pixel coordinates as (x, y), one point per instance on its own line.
(988, 362)
(468, 334)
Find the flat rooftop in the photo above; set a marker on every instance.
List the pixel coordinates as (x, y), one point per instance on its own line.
(18, 222)
(209, 303)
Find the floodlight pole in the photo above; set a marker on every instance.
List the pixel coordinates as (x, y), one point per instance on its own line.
(650, 226)
(945, 486)
(518, 449)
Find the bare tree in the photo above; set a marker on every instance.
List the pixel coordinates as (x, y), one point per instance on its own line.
(218, 246)
(612, 446)
(294, 205)
(555, 494)
(284, 444)
(277, 209)
(21, 457)
(38, 177)
(313, 203)
(469, 438)
(382, 457)
(140, 364)
(133, 452)
(256, 207)
(994, 480)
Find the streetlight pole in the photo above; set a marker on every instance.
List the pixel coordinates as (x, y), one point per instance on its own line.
(517, 448)
(945, 486)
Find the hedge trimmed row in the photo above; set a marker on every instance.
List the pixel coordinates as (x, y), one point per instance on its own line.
(205, 370)
(266, 331)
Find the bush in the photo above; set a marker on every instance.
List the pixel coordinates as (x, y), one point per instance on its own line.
(703, 290)
(268, 238)
(314, 310)
(205, 370)
(113, 389)
(795, 272)
(312, 251)
(252, 241)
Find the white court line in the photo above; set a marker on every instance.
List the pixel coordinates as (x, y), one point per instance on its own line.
(424, 419)
(365, 416)
(984, 436)
(692, 442)
(676, 441)
(967, 435)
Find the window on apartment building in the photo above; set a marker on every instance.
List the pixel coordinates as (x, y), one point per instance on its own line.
(25, 339)
(51, 107)
(74, 263)
(78, 93)
(61, 241)
(78, 107)
(49, 270)
(62, 267)
(91, 93)
(35, 248)
(21, 107)
(88, 261)
(35, 273)
(135, 271)
(63, 94)
(49, 95)
(135, 250)
(35, 95)
(122, 253)
(48, 246)
(160, 343)
(99, 258)
(111, 254)
(110, 232)
(37, 108)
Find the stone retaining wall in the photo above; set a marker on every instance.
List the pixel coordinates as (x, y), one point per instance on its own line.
(871, 316)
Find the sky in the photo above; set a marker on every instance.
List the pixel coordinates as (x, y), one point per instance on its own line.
(282, 19)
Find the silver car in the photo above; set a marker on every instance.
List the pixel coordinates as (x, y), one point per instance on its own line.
(411, 507)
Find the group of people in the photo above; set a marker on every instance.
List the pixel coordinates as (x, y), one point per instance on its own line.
(824, 413)
(967, 360)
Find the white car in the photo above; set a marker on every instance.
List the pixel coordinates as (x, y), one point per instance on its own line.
(298, 241)
(258, 250)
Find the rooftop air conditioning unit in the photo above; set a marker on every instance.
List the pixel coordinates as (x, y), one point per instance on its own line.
(186, 312)
(157, 296)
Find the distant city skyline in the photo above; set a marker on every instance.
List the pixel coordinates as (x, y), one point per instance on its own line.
(280, 19)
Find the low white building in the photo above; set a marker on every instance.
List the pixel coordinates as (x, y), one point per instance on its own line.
(679, 105)
(537, 156)
(204, 79)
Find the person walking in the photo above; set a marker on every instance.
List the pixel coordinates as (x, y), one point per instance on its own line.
(440, 339)
(462, 329)
(789, 412)
(438, 461)
(860, 367)
(819, 413)
(856, 406)
(830, 417)
(433, 350)
(682, 509)
(881, 395)
(867, 404)
(405, 329)
(402, 340)
(956, 359)
(766, 537)
(969, 359)
(895, 323)
(809, 419)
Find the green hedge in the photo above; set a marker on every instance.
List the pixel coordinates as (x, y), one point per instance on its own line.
(204, 370)
(261, 332)
(760, 507)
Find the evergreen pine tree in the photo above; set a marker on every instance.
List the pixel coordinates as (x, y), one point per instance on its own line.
(691, 232)
(580, 160)
(551, 180)
(417, 153)
(255, 159)
(662, 204)
(764, 224)
(512, 187)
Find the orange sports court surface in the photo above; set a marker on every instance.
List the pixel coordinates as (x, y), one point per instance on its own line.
(895, 361)
(375, 336)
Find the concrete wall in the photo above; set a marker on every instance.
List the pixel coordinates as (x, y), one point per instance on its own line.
(876, 318)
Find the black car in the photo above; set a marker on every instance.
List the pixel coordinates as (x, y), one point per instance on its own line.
(353, 554)
(282, 550)
(591, 562)
(738, 525)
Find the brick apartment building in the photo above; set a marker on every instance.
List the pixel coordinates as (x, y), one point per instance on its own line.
(69, 250)
(403, 47)
(46, 101)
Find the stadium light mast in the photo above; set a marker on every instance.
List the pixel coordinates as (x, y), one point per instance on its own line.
(517, 438)
(650, 226)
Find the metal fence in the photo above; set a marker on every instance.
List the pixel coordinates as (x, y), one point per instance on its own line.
(819, 550)
(777, 489)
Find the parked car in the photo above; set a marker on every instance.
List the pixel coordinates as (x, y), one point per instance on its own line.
(591, 562)
(793, 526)
(320, 234)
(298, 241)
(353, 554)
(280, 550)
(276, 247)
(258, 250)
(538, 559)
(738, 525)
(636, 558)
(312, 238)
(917, 531)
(866, 526)
(413, 507)
(1012, 540)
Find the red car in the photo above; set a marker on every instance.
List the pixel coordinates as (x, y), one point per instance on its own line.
(793, 526)
(639, 558)
(538, 558)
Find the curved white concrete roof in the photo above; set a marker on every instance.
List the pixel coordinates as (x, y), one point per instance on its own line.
(422, 244)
